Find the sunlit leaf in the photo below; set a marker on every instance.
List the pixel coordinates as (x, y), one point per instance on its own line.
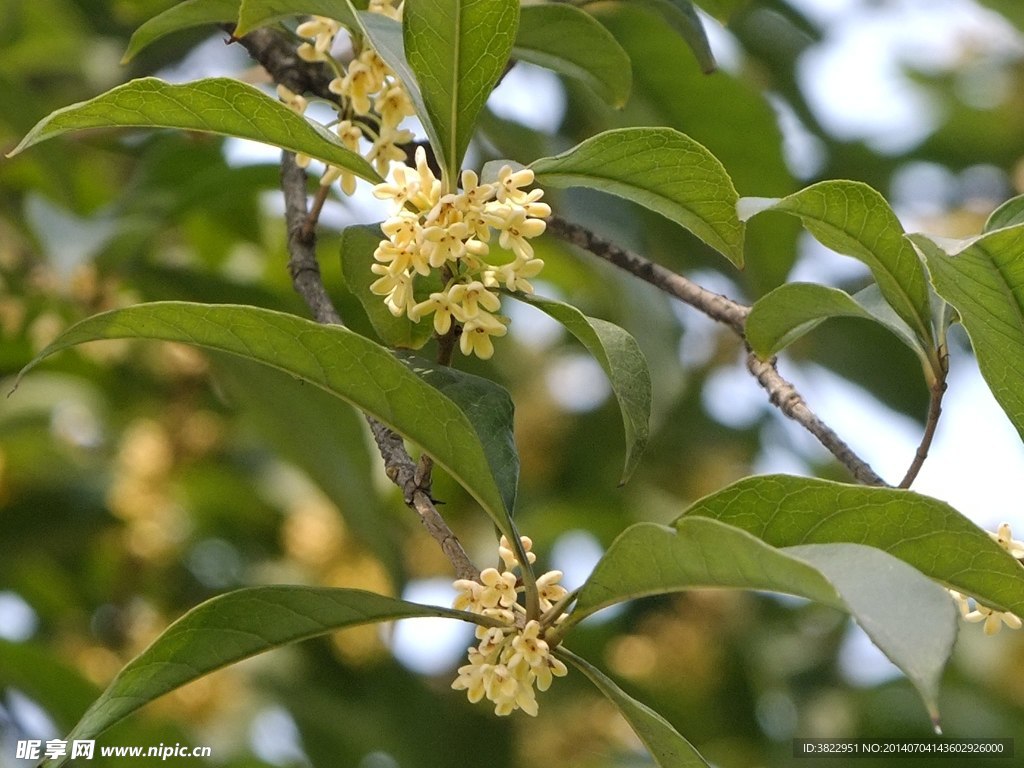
(910, 617)
(667, 747)
(855, 220)
(233, 627)
(422, 408)
(357, 246)
(786, 511)
(457, 49)
(661, 169)
(984, 281)
(216, 105)
(782, 316)
(622, 359)
(185, 15)
(571, 42)
(1008, 214)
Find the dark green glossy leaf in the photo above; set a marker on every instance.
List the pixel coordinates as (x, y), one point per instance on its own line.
(781, 317)
(191, 13)
(357, 246)
(667, 747)
(622, 359)
(786, 511)
(216, 105)
(1008, 214)
(855, 220)
(571, 42)
(457, 49)
(359, 371)
(233, 627)
(661, 169)
(253, 14)
(984, 281)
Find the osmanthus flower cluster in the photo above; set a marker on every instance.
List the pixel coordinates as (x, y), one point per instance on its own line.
(375, 101)
(994, 620)
(513, 659)
(432, 230)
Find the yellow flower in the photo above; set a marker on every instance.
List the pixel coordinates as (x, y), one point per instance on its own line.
(475, 299)
(509, 183)
(442, 309)
(1005, 538)
(499, 588)
(508, 555)
(549, 590)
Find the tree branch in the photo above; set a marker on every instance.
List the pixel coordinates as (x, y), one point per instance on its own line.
(781, 393)
(399, 466)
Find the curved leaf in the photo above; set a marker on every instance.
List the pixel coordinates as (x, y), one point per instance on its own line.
(784, 315)
(236, 626)
(457, 49)
(185, 15)
(853, 219)
(357, 246)
(215, 105)
(622, 359)
(667, 747)
(682, 16)
(1008, 214)
(985, 282)
(928, 534)
(661, 169)
(651, 559)
(908, 616)
(568, 41)
(350, 367)
(253, 14)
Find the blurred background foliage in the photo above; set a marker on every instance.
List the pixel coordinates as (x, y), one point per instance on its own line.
(138, 479)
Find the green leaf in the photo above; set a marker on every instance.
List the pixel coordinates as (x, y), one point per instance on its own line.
(908, 616)
(191, 13)
(237, 626)
(622, 359)
(682, 17)
(667, 747)
(786, 511)
(357, 246)
(784, 315)
(1008, 214)
(253, 14)
(357, 370)
(984, 280)
(216, 105)
(651, 559)
(385, 35)
(855, 220)
(661, 169)
(567, 40)
(457, 49)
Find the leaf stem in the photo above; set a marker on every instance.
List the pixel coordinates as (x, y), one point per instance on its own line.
(938, 389)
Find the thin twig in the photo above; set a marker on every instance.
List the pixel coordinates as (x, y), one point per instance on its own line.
(309, 226)
(781, 393)
(714, 305)
(938, 389)
(413, 481)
